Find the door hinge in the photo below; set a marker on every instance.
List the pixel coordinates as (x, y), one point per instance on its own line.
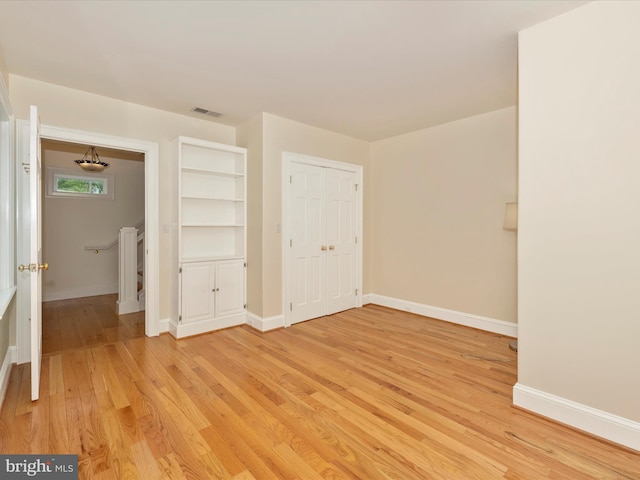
(180, 270)
(356, 239)
(245, 306)
(356, 187)
(291, 307)
(245, 264)
(290, 178)
(179, 318)
(356, 292)
(291, 242)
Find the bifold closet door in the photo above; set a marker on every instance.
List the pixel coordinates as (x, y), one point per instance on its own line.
(322, 243)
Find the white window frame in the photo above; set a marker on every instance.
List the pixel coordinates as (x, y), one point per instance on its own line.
(7, 205)
(52, 174)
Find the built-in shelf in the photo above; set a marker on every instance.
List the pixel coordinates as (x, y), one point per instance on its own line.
(211, 186)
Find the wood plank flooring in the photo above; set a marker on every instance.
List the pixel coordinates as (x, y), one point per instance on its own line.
(371, 394)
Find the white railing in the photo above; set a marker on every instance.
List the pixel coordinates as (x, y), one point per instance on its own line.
(106, 246)
(130, 297)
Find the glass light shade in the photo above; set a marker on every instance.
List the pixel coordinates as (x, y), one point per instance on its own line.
(91, 161)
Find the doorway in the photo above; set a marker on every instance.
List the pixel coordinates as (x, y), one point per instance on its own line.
(322, 227)
(149, 150)
(82, 214)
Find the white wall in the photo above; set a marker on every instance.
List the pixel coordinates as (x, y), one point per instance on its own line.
(250, 136)
(579, 233)
(4, 72)
(68, 108)
(437, 215)
(71, 223)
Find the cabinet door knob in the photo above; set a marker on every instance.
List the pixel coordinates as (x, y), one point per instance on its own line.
(332, 247)
(323, 248)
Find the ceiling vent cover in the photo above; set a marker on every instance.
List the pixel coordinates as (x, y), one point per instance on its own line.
(204, 111)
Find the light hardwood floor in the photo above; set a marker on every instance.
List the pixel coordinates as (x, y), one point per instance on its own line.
(366, 394)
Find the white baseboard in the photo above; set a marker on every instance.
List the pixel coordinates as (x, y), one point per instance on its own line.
(5, 371)
(130, 306)
(597, 422)
(92, 291)
(265, 324)
(181, 330)
(468, 319)
(164, 325)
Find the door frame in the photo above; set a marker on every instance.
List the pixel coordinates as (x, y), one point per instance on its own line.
(152, 227)
(287, 159)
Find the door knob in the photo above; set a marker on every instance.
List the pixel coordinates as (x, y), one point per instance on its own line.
(323, 248)
(34, 267)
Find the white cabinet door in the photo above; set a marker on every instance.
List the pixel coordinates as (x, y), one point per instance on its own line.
(229, 287)
(198, 292)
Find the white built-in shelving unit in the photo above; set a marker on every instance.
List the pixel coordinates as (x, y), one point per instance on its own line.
(211, 236)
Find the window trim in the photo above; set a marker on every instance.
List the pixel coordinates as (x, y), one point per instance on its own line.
(7, 204)
(52, 173)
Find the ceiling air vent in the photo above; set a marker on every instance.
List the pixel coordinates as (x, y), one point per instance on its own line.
(204, 111)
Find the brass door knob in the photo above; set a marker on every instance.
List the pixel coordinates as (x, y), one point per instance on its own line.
(323, 248)
(332, 247)
(34, 267)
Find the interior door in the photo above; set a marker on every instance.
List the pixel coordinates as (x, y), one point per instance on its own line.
(35, 254)
(307, 243)
(323, 248)
(341, 240)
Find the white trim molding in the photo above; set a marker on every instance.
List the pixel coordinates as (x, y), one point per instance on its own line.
(460, 318)
(5, 370)
(88, 291)
(164, 325)
(182, 330)
(265, 324)
(591, 420)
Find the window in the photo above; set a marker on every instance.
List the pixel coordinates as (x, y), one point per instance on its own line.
(65, 183)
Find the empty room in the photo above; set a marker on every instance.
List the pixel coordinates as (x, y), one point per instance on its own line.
(319, 239)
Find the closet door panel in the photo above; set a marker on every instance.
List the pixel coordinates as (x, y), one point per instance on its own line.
(341, 238)
(309, 227)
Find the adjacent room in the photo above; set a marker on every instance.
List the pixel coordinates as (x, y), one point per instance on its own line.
(320, 239)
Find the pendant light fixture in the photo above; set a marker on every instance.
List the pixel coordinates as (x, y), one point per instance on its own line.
(91, 162)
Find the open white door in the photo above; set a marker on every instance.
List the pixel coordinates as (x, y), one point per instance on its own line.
(36, 266)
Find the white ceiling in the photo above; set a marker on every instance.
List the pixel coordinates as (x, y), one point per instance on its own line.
(368, 69)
